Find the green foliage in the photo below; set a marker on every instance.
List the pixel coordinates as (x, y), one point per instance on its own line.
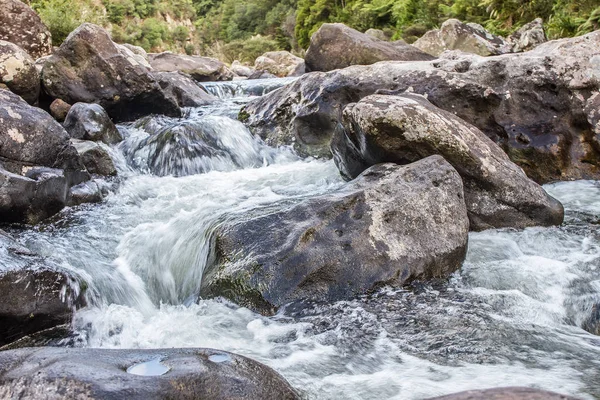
(248, 50)
(63, 16)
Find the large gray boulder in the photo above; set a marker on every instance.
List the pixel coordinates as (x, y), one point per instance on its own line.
(18, 73)
(90, 68)
(184, 89)
(505, 393)
(20, 25)
(470, 38)
(102, 374)
(537, 105)
(280, 63)
(202, 69)
(336, 46)
(407, 128)
(34, 295)
(528, 36)
(391, 225)
(91, 122)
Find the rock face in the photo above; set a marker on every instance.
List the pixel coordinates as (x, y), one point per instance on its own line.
(91, 122)
(336, 46)
(407, 128)
(347, 243)
(34, 296)
(280, 63)
(183, 88)
(20, 25)
(18, 72)
(506, 393)
(100, 374)
(539, 106)
(202, 69)
(455, 35)
(89, 68)
(94, 157)
(528, 36)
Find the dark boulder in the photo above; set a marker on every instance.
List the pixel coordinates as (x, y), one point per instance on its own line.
(18, 73)
(336, 46)
(94, 157)
(34, 296)
(532, 104)
(91, 122)
(90, 68)
(202, 69)
(391, 225)
(183, 88)
(505, 393)
(406, 128)
(20, 25)
(101, 374)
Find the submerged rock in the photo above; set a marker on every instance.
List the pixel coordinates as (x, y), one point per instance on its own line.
(91, 122)
(90, 68)
(101, 374)
(183, 88)
(20, 25)
(470, 38)
(280, 63)
(536, 105)
(336, 46)
(202, 69)
(34, 296)
(505, 393)
(407, 128)
(391, 225)
(18, 72)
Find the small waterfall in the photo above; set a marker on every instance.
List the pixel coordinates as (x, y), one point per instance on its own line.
(245, 88)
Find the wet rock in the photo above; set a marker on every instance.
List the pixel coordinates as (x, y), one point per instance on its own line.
(528, 36)
(336, 46)
(18, 72)
(536, 105)
(90, 68)
(101, 374)
(20, 25)
(592, 323)
(91, 122)
(391, 225)
(506, 393)
(406, 128)
(59, 109)
(280, 63)
(34, 296)
(183, 88)
(202, 69)
(94, 157)
(261, 75)
(241, 70)
(470, 38)
(92, 191)
(377, 34)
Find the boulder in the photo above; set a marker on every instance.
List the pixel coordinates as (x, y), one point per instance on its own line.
(18, 72)
(377, 34)
(470, 38)
(241, 70)
(100, 374)
(505, 393)
(202, 69)
(539, 106)
(20, 25)
(94, 157)
(90, 68)
(34, 296)
(336, 46)
(183, 88)
(528, 36)
(91, 122)
(280, 63)
(59, 109)
(391, 225)
(407, 128)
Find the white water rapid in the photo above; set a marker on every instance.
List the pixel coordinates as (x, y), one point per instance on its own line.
(511, 316)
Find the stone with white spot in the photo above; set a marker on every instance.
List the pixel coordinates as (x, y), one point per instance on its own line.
(18, 72)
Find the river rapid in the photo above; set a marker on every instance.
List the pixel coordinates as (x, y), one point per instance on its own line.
(512, 316)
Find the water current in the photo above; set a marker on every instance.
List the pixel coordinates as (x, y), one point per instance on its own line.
(512, 316)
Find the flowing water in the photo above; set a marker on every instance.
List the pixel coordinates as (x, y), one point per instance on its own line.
(511, 316)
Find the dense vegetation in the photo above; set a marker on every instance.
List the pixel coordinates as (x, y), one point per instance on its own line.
(235, 29)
